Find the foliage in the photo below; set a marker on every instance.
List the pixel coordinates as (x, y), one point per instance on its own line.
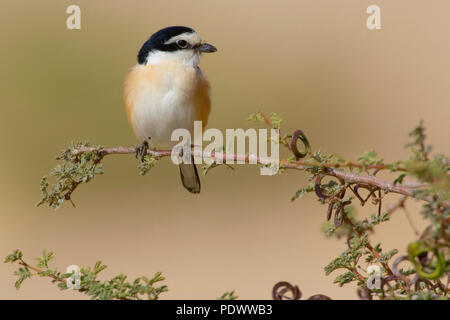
(147, 164)
(76, 168)
(330, 177)
(86, 281)
(229, 295)
(429, 255)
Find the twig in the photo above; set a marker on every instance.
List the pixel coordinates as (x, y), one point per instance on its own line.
(401, 205)
(266, 119)
(39, 271)
(368, 245)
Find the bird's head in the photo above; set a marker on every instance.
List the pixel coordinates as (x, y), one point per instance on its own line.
(181, 44)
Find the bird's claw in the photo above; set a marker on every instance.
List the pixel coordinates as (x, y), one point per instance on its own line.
(141, 150)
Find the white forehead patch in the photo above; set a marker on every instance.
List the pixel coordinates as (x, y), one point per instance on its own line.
(191, 37)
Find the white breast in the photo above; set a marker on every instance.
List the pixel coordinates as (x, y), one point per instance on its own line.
(165, 103)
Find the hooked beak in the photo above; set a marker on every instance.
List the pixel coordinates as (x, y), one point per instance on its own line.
(206, 47)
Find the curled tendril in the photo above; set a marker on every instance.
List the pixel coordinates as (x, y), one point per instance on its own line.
(426, 282)
(375, 199)
(334, 200)
(281, 288)
(417, 250)
(340, 212)
(349, 245)
(356, 188)
(385, 282)
(293, 146)
(338, 216)
(397, 272)
(319, 297)
(330, 211)
(320, 191)
(440, 285)
(417, 280)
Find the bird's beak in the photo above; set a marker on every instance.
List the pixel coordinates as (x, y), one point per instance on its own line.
(206, 47)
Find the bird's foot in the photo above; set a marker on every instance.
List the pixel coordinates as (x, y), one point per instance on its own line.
(141, 150)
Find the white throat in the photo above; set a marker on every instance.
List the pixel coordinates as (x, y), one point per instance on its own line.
(188, 57)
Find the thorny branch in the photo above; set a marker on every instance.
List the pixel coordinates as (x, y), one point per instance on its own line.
(428, 255)
(85, 280)
(346, 177)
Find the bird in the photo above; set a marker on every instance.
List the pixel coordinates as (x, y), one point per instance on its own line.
(167, 90)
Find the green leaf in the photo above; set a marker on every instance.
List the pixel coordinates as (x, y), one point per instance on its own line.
(15, 256)
(229, 295)
(44, 259)
(369, 158)
(399, 179)
(23, 273)
(345, 278)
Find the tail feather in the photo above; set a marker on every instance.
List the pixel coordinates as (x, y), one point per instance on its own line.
(189, 177)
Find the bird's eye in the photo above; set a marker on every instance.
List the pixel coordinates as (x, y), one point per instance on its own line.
(182, 43)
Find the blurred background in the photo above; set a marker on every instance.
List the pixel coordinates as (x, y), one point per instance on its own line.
(349, 89)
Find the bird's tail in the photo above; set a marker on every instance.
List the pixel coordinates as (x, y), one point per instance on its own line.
(189, 177)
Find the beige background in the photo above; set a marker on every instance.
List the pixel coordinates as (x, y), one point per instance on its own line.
(348, 88)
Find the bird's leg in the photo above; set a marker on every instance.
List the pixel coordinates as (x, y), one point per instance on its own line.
(180, 151)
(141, 150)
